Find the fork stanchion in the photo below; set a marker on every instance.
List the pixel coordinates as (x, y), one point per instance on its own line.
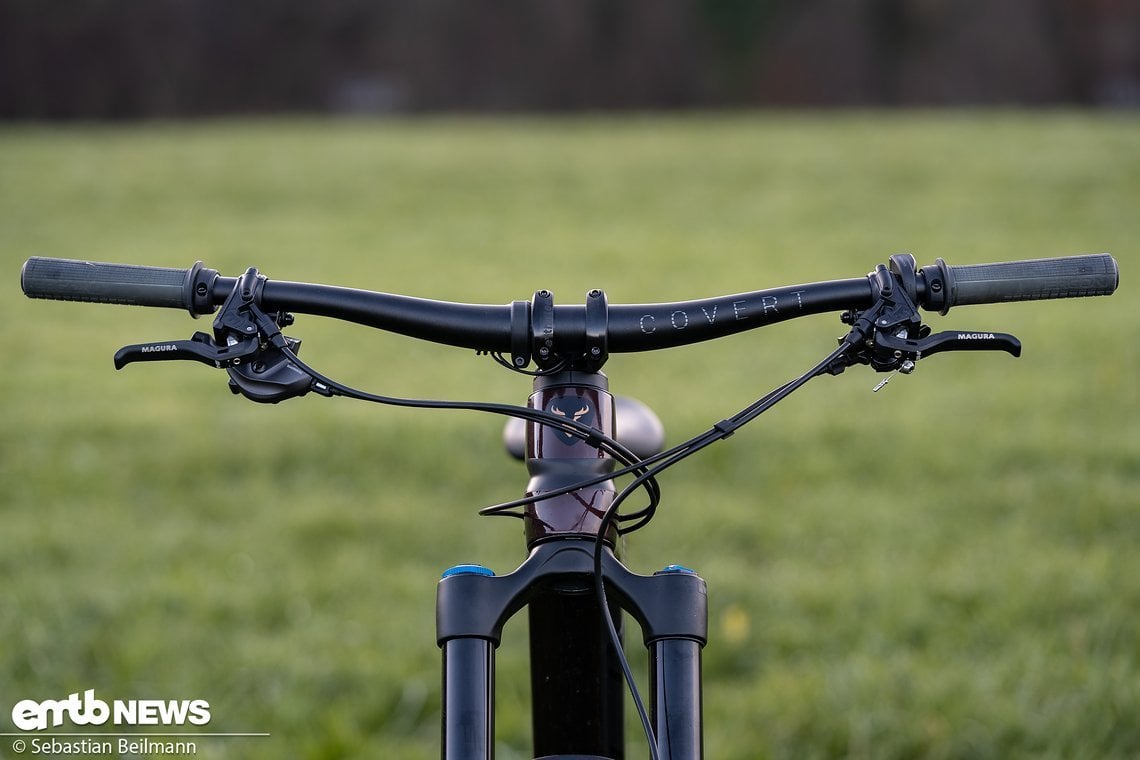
(675, 682)
(468, 699)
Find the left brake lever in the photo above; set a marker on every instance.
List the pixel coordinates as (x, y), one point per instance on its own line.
(200, 348)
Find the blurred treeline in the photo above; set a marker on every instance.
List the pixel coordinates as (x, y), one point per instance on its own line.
(170, 58)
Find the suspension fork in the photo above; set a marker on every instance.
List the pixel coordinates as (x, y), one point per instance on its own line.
(577, 690)
(473, 605)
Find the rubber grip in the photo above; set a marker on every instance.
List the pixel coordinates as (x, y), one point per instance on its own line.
(1033, 279)
(94, 282)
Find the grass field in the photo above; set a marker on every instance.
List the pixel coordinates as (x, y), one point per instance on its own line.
(945, 569)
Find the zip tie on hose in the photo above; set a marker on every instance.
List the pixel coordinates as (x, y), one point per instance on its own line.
(726, 428)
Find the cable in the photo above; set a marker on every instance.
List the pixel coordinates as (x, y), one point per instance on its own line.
(328, 387)
(503, 362)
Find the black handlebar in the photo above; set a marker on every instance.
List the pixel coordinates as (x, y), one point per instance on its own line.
(626, 328)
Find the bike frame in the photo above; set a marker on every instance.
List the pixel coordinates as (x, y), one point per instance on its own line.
(577, 686)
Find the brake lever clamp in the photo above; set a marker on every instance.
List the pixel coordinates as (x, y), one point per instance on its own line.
(270, 375)
(893, 312)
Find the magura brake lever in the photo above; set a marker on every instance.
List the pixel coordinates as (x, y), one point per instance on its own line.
(247, 343)
(905, 348)
(200, 348)
(260, 373)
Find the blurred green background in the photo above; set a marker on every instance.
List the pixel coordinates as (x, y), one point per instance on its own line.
(945, 569)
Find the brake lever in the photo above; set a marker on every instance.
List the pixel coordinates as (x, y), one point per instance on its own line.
(247, 343)
(902, 348)
(200, 348)
(890, 336)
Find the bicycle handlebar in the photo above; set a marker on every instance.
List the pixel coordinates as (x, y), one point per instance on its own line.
(625, 328)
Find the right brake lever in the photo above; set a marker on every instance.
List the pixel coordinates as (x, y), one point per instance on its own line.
(904, 348)
(890, 336)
